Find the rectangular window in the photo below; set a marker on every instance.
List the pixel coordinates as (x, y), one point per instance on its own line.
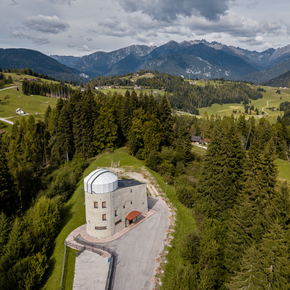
(103, 204)
(100, 228)
(119, 221)
(123, 206)
(131, 202)
(104, 216)
(95, 204)
(116, 212)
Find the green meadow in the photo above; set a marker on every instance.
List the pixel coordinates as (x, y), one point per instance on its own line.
(270, 96)
(33, 105)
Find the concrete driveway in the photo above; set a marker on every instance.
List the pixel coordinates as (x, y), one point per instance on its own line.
(138, 249)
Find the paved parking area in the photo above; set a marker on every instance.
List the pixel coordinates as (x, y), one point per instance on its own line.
(91, 271)
(138, 249)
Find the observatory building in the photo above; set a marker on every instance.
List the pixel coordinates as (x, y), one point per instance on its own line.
(112, 204)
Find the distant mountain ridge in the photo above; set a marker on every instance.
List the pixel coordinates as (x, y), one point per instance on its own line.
(40, 63)
(195, 58)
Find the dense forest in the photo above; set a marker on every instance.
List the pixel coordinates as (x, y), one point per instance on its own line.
(239, 206)
(183, 95)
(55, 90)
(241, 210)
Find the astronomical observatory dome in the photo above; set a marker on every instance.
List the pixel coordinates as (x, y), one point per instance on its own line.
(100, 181)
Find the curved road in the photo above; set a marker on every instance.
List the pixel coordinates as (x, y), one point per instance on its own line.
(138, 249)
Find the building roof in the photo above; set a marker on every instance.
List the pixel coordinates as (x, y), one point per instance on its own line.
(195, 138)
(101, 181)
(132, 215)
(127, 183)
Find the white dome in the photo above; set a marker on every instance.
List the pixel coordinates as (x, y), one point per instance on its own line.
(100, 181)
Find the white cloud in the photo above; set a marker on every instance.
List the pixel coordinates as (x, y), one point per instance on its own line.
(46, 24)
(35, 40)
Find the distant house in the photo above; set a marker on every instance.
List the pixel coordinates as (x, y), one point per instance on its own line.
(192, 83)
(97, 88)
(83, 90)
(196, 139)
(206, 141)
(2, 132)
(274, 109)
(19, 111)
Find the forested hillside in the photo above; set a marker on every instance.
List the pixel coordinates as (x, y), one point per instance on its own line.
(182, 94)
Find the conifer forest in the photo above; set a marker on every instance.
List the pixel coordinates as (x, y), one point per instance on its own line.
(241, 209)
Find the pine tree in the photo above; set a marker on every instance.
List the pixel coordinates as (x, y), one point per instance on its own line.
(269, 169)
(219, 185)
(165, 117)
(65, 131)
(248, 277)
(83, 126)
(275, 270)
(106, 131)
(127, 113)
(8, 196)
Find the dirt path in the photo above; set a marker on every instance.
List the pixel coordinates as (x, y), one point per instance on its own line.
(8, 88)
(4, 120)
(263, 109)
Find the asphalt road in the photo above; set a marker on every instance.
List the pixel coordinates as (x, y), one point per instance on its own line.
(138, 249)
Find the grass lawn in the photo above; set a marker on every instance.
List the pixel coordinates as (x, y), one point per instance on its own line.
(68, 275)
(74, 216)
(283, 169)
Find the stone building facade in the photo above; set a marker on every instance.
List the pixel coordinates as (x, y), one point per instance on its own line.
(112, 204)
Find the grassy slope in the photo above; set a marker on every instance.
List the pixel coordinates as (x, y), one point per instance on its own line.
(68, 276)
(74, 216)
(270, 95)
(30, 104)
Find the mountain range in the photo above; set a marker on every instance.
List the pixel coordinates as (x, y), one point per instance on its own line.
(194, 59)
(197, 58)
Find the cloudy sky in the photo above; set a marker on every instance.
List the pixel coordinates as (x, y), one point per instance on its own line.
(80, 27)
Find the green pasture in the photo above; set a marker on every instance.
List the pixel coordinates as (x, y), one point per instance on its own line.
(74, 216)
(17, 76)
(30, 104)
(271, 96)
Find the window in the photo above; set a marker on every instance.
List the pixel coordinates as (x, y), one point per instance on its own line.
(100, 228)
(103, 204)
(116, 212)
(116, 223)
(104, 217)
(131, 190)
(95, 204)
(131, 202)
(124, 206)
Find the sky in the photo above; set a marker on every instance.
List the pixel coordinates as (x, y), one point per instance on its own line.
(81, 27)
